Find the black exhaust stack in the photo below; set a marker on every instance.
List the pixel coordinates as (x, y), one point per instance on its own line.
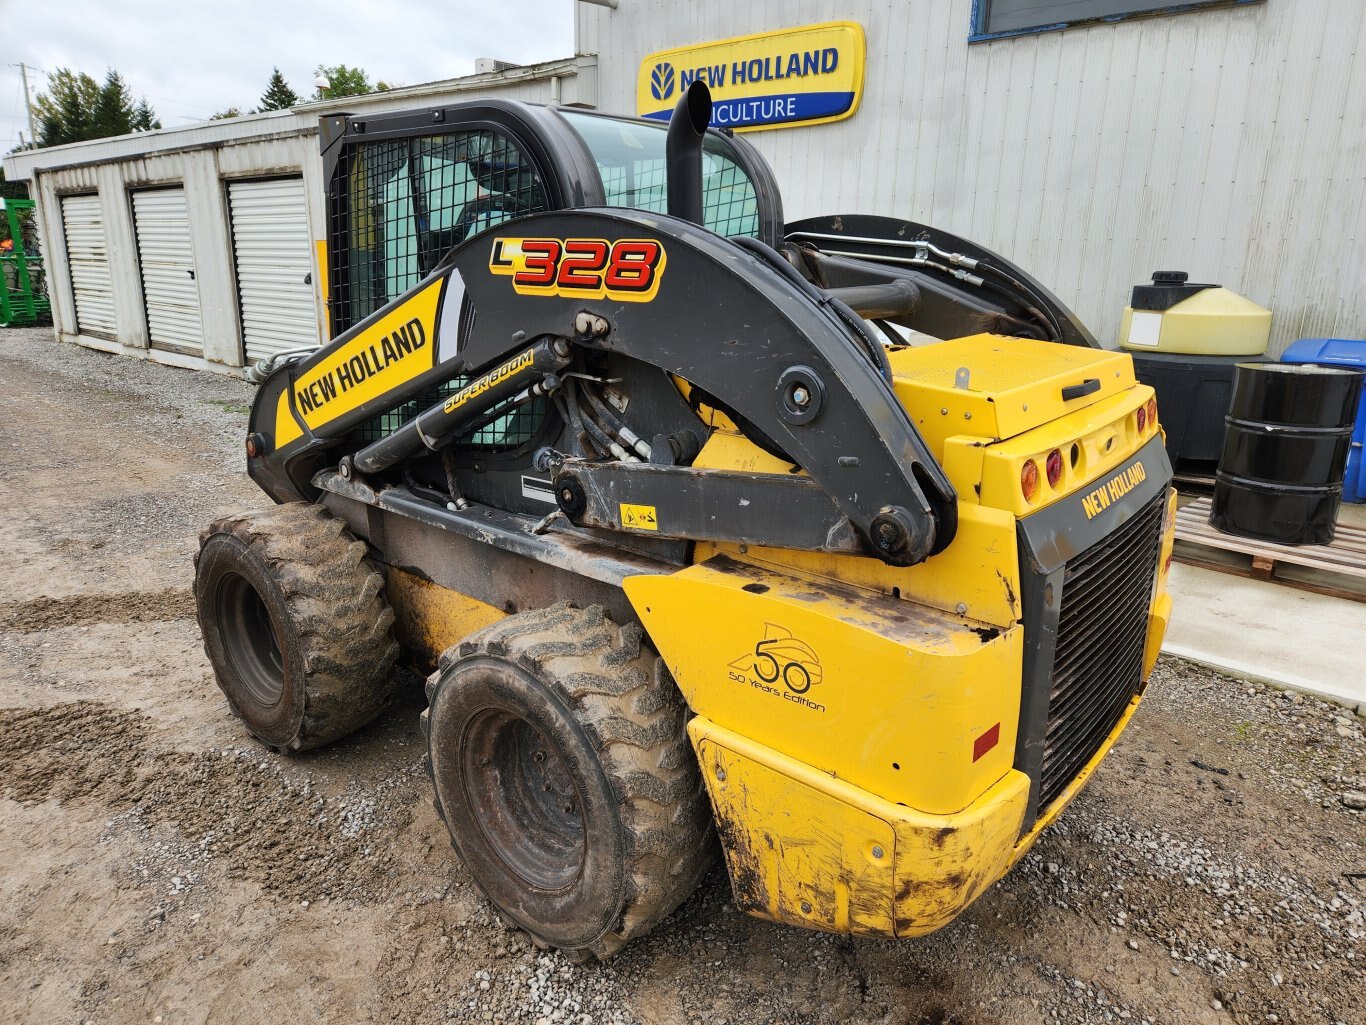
(683, 151)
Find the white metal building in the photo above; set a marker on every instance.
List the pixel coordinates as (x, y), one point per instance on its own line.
(1228, 141)
(197, 246)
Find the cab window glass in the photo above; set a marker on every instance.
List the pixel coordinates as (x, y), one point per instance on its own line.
(631, 163)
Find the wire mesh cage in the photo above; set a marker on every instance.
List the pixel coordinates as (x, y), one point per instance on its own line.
(398, 206)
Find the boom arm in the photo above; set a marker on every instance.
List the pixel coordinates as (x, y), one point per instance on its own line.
(730, 323)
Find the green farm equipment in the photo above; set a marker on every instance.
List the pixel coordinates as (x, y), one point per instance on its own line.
(23, 299)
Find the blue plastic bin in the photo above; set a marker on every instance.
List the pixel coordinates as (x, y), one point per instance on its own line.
(1340, 352)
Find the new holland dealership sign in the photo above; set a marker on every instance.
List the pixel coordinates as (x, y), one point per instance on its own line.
(794, 76)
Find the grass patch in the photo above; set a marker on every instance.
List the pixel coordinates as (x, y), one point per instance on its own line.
(228, 406)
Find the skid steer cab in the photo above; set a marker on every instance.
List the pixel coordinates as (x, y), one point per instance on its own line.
(839, 541)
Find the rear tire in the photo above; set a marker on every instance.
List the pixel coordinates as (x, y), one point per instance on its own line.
(295, 624)
(558, 750)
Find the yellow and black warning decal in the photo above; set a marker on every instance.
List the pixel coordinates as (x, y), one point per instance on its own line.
(390, 352)
(627, 270)
(639, 517)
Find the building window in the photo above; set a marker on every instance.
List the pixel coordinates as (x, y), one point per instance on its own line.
(992, 19)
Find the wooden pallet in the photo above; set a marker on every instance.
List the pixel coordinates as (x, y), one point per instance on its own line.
(1338, 569)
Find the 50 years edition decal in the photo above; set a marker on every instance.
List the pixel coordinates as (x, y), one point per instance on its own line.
(628, 270)
(781, 665)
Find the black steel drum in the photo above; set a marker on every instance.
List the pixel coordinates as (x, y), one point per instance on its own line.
(1286, 440)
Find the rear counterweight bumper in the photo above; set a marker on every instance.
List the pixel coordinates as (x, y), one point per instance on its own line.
(807, 849)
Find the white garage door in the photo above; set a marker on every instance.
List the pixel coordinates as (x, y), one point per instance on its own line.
(274, 258)
(162, 222)
(87, 257)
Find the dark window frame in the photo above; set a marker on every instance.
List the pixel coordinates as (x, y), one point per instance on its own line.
(981, 15)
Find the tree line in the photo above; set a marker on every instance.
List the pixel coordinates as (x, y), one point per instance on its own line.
(76, 108)
(341, 81)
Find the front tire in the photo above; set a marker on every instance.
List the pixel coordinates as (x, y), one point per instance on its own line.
(558, 750)
(295, 624)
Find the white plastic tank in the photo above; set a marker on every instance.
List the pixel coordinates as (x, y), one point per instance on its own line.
(1174, 315)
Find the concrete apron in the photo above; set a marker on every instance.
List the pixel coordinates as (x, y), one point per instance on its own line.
(1269, 633)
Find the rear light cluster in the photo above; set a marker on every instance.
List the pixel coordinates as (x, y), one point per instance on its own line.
(1146, 418)
(1029, 474)
(1147, 415)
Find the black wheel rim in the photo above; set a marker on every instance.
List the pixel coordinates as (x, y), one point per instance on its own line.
(523, 799)
(249, 639)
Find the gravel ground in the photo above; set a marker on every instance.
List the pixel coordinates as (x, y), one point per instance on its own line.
(156, 865)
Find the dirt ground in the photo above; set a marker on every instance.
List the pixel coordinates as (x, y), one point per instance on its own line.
(157, 865)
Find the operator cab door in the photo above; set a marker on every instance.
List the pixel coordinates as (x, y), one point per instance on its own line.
(169, 284)
(408, 197)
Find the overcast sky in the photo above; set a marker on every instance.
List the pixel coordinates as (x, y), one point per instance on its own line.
(193, 58)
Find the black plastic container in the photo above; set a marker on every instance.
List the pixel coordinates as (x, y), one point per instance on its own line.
(1288, 433)
(1193, 394)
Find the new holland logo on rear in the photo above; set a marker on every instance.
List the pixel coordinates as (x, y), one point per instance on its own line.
(1096, 502)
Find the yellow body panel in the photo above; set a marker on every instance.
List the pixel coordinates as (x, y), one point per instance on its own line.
(846, 707)
(979, 572)
(1013, 385)
(892, 696)
(429, 618)
(805, 848)
(1104, 436)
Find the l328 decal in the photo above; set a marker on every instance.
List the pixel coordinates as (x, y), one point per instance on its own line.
(627, 270)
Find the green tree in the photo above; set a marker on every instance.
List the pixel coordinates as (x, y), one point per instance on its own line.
(342, 81)
(113, 114)
(76, 108)
(230, 112)
(144, 120)
(12, 190)
(278, 94)
(65, 112)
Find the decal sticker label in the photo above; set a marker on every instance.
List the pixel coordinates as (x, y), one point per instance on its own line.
(627, 270)
(391, 352)
(479, 385)
(639, 517)
(538, 490)
(781, 665)
(1096, 502)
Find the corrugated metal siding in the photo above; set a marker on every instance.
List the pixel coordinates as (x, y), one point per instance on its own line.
(162, 222)
(274, 258)
(88, 261)
(1230, 143)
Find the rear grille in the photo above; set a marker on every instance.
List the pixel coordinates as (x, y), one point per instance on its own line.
(1102, 627)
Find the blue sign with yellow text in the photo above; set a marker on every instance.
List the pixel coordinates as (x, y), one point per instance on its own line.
(805, 75)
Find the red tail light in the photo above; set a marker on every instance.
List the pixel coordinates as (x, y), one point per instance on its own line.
(1054, 468)
(1142, 418)
(1029, 479)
